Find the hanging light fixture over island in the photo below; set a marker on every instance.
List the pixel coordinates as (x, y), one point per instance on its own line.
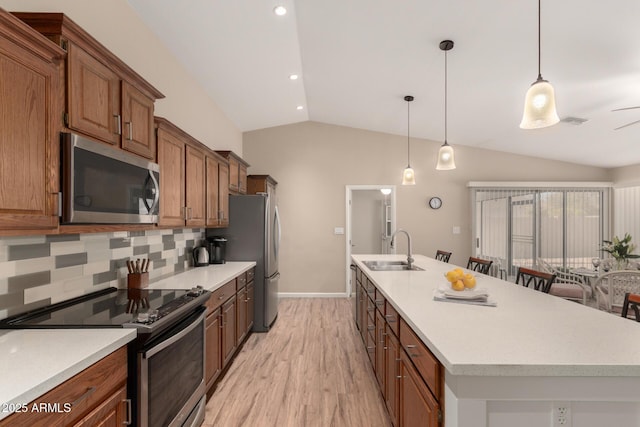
(446, 160)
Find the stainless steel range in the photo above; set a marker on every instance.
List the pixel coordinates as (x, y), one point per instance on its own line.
(166, 361)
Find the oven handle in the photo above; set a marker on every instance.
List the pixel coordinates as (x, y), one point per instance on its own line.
(164, 344)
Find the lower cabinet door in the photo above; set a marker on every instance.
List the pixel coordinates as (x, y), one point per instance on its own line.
(418, 407)
(241, 315)
(113, 412)
(228, 329)
(249, 306)
(380, 365)
(392, 361)
(213, 358)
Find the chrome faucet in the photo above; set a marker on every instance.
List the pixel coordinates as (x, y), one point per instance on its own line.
(409, 254)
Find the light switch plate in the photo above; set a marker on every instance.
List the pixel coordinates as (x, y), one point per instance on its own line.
(338, 230)
(456, 229)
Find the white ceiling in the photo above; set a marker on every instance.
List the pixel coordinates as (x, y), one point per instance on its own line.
(358, 58)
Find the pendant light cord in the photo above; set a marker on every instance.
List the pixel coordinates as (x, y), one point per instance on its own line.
(445, 97)
(408, 145)
(539, 48)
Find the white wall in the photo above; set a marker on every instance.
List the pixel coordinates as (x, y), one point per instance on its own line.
(313, 162)
(115, 24)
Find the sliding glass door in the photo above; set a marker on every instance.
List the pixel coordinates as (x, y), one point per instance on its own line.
(562, 226)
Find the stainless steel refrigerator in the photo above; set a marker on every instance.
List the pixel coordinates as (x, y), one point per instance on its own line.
(254, 235)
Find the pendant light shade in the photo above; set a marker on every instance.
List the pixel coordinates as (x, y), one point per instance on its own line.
(540, 102)
(446, 160)
(408, 176)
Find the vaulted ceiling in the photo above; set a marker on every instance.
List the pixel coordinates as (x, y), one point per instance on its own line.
(357, 59)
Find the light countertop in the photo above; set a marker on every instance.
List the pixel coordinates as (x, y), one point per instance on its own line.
(528, 334)
(210, 278)
(34, 361)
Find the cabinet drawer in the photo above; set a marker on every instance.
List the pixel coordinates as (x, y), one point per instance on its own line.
(250, 275)
(241, 281)
(392, 318)
(220, 295)
(371, 347)
(83, 392)
(424, 361)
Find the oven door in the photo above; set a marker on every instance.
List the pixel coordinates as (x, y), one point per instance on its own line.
(171, 385)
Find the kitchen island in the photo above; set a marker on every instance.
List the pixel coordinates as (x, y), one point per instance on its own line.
(514, 363)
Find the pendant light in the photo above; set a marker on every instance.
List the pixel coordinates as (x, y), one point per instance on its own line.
(408, 177)
(540, 102)
(446, 160)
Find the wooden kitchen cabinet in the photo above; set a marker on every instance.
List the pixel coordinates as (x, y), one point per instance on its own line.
(195, 187)
(228, 329)
(392, 373)
(418, 407)
(213, 358)
(182, 177)
(111, 413)
(410, 377)
(30, 67)
(250, 305)
(241, 315)
(380, 365)
(105, 99)
(261, 184)
(237, 172)
(98, 396)
(217, 191)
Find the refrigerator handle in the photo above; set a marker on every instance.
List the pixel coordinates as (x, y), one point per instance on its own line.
(277, 218)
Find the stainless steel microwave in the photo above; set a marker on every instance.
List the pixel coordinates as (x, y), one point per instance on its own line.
(105, 185)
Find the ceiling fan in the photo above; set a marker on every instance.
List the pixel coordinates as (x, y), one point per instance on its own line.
(628, 124)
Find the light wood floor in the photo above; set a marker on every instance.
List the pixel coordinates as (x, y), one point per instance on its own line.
(310, 369)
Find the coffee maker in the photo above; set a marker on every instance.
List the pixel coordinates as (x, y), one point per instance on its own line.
(217, 249)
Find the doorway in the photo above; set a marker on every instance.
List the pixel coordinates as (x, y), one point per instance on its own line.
(371, 219)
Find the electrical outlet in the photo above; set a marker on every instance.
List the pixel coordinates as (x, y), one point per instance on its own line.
(561, 414)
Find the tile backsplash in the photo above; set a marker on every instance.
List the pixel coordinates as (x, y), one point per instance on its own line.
(40, 270)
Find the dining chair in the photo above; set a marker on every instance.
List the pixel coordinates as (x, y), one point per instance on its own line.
(538, 280)
(443, 255)
(611, 288)
(633, 301)
(480, 265)
(567, 285)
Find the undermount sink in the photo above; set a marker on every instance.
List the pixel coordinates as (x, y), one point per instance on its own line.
(390, 266)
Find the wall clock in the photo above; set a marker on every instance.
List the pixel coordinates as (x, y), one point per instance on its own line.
(435, 202)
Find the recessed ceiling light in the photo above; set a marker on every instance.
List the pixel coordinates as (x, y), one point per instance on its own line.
(299, 107)
(293, 77)
(280, 10)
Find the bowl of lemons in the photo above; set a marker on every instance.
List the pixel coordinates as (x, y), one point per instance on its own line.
(460, 280)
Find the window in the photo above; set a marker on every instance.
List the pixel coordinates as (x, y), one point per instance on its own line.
(517, 223)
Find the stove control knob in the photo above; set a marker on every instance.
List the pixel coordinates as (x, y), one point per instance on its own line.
(196, 291)
(143, 318)
(153, 315)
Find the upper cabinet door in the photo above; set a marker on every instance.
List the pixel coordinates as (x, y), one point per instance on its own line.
(93, 96)
(171, 152)
(29, 148)
(223, 195)
(137, 122)
(195, 190)
(212, 191)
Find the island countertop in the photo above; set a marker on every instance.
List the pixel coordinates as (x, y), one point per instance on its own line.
(528, 333)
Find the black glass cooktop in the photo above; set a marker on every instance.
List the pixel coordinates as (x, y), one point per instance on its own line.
(110, 308)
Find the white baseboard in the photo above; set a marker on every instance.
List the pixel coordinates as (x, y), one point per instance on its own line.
(311, 295)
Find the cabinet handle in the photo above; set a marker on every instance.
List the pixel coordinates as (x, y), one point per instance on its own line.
(127, 402)
(86, 394)
(371, 348)
(118, 124)
(130, 125)
(389, 317)
(371, 327)
(379, 302)
(410, 346)
(221, 296)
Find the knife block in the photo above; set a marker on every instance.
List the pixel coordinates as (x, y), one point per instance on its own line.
(138, 280)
